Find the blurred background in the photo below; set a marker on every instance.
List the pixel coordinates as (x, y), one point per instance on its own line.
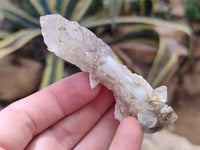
(158, 39)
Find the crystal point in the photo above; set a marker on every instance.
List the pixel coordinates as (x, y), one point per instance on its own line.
(134, 95)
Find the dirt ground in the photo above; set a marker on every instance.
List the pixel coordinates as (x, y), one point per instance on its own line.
(188, 123)
(187, 105)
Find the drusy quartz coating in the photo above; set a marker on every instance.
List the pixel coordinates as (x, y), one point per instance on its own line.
(134, 96)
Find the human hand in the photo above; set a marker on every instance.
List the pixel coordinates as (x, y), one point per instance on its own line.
(67, 115)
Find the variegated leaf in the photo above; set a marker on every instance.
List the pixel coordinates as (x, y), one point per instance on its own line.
(4, 34)
(138, 20)
(17, 14)
(42, 6)
(17, 40)
(80, 9)
(54, 70)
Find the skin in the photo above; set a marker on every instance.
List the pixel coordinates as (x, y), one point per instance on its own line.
(67, 115)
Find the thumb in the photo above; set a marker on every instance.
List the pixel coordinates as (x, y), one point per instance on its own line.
(128, 136)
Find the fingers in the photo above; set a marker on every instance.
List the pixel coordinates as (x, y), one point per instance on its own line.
(28, 117)
(100, 137)
(70, 130)
(128, 135)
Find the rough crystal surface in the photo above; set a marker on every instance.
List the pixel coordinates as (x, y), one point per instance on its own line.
(134, 96)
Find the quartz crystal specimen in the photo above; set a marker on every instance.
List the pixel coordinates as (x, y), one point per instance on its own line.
(134, 96)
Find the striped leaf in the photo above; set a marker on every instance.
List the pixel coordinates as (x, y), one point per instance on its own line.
(63, 6)
(138, 20)
(4, 34)
(80, 9)
(165, 60)
(15, 13)
(52, 6)
(100, 15)
(67, 11)
(146, 7)
(115, 7)
(157, 60)
(54, 70)
(171, 60)
(17, 40)
(139, 32)
(58, 5)
(41, 6)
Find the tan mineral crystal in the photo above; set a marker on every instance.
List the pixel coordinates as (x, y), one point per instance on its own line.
(134, 96)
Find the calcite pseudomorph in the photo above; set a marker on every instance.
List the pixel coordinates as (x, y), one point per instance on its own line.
(134, 96)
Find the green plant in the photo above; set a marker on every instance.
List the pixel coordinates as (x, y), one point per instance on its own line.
(146, 7)
(93, 19)
(30, 28)
(192, 10)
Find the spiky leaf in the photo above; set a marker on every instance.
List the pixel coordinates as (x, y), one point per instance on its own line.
(62, 6)
(17, 14)
(146, 7)
(52, 6)
(4, 34)
(17, 40)
(54, 70)
(138, 32)
(45, 6)
(137, 20)
(80, 9)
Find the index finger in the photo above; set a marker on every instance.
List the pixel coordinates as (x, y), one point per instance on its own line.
(24, 119)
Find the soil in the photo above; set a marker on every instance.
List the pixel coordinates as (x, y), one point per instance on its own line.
(188, 122)
(187, 104)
